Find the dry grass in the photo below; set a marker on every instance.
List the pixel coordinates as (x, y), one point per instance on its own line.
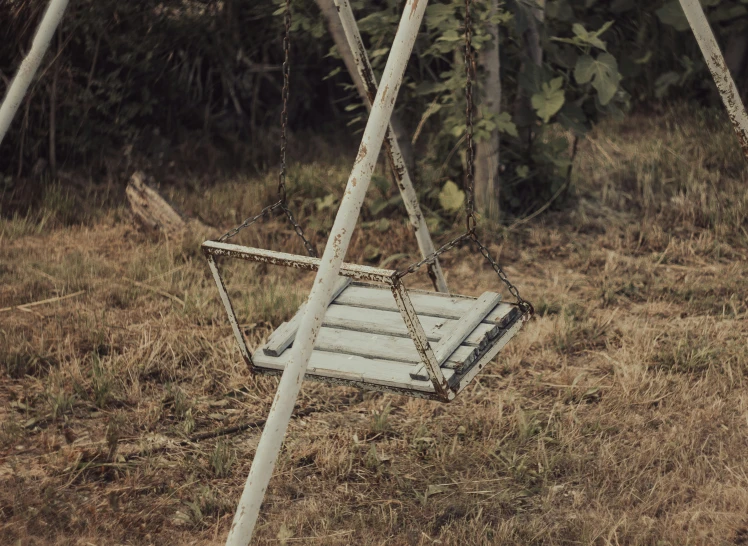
(619, 416)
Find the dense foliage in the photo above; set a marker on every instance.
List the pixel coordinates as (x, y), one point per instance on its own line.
(139, 77)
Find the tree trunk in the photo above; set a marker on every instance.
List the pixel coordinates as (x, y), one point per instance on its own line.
(533, 53)
(487, 151)
(330, 12)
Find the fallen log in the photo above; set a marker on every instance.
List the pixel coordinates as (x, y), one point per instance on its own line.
(155, 215)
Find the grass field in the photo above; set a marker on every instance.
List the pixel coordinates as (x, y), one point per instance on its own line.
(618, 416)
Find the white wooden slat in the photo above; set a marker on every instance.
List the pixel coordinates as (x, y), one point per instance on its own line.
(376, 321)
(377, 297)
(385, 347)
(465, 326)
(374, 296)
(284, 335)
(354, 368)
(420, 373)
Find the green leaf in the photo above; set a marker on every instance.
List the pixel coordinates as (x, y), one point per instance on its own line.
(505, 124)
(523, 171)
(325, 203)
(371, 253)
(450, 36)
(590, 37)
(549, 100)
(451, 197)
(602, 72)
(672, 14)
(645, 58)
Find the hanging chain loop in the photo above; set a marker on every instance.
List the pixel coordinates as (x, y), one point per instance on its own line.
(470, 220)
(284, 99)
(249, 221)
(282, 194)
(523, 304)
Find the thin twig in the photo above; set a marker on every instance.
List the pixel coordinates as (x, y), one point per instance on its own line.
(158, 291)
(25, 306)
(241, 428)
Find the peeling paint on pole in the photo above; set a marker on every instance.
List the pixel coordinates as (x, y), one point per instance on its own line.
(717, 66)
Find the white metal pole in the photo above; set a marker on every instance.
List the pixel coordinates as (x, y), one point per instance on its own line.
(392, 148)
(717, 66)
(337, 246)
(30, 64)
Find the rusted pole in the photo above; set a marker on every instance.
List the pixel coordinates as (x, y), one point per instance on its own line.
(332, 259)
(716, 63)
(30, 64)
(391, 146)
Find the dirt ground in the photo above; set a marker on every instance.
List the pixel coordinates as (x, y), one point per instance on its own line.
(618, 416)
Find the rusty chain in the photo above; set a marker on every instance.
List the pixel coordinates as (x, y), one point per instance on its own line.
(283, 199)
(249, 221)
(471, 223)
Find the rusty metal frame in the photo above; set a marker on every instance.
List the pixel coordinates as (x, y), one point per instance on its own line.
(357, 272)
(246, 355)
(213, 249)
(443, 391)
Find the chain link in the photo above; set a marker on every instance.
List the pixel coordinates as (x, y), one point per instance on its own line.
(282, 196)
(431, 258)
(300, 232)
(523, 304)
(249, 221)
(284, 98)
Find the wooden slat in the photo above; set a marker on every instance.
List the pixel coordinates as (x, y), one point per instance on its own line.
(469, 374)
(284, 335)
(466, 325)
(426, 303)
(352, 368)
(390, 323)
(375, 297)
(398, 349)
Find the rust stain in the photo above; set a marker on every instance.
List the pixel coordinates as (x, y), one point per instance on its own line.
(413, 8)
(733, 104)
(354, 182)
(361, 153)
(384, 92)
(367, 75)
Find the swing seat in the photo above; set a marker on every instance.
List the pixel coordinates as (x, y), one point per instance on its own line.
(377, 335)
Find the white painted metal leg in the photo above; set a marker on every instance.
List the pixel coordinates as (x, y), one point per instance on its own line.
(30, 64)
(392, 148)
(716, 63)
(337, 245)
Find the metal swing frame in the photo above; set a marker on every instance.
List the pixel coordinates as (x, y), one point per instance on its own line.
(331, 264)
